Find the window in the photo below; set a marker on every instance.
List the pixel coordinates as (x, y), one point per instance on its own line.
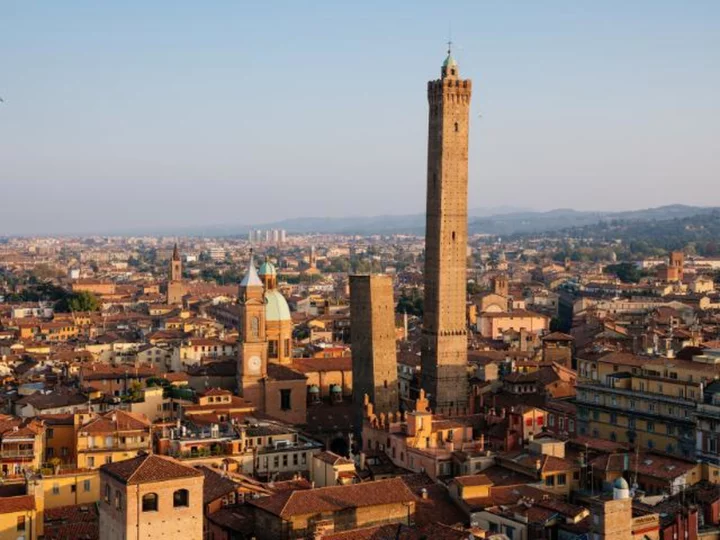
(303, 458)
(107, 493)
(285, 460)
(91, 462)
(613, 418)
(457, 127)
(276, 461)
(651, 443)
(571, 425)
(49, 433)
(108, 459)
(561, 479)
(150, 502)
(20, 523)
(285, 399)
(550, 481)
(295, 459)
(86, 485)
(273, 348)
(56, 489)
(255, 327)
(181, 498)
(650, 426)
(118, 500)
(551, 420)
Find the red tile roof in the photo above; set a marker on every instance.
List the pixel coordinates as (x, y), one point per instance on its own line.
(336, 498)
(148, 468)
(21, 503)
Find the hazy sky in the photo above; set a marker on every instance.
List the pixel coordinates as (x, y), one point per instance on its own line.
(146, 114)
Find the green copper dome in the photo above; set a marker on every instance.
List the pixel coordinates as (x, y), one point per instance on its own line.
(267, 269)
(276, 307)
(449, 61)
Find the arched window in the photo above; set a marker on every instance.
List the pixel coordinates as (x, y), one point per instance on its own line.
(181, 498)
(150, 502)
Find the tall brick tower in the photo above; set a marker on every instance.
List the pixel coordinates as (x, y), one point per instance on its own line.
(444, 353)
(374, 357)
(175, 286)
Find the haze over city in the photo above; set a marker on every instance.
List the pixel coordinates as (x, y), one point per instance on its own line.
(173, 114)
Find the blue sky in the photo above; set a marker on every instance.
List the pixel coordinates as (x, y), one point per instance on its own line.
(159, 114)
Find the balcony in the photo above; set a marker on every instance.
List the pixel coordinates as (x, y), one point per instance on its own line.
(17, 453)
(116, 447)
(712, 411)
(637, 394)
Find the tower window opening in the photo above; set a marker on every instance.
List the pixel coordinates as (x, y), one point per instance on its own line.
(453, 236)
(457, 127)
(452, 71)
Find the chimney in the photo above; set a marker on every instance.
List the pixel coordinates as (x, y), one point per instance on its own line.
(424, 493)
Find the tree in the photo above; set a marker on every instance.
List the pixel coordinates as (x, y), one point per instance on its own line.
(625, 272)
(79, 301)
(411, 304)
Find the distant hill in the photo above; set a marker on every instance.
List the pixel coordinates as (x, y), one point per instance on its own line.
(562, 219)
(673, 230)
(501, 221)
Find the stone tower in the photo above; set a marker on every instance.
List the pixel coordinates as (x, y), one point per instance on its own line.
(175, 286)
(444, 353)
(677, 261)
(252, 361)
(374, 357)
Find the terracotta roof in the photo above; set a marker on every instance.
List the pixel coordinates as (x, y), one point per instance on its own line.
(78, 522)
(308, 365)
(558, 336)
(336, 498)
(216, 485)
(148, 468)
(215, 392)
(332, 458)
(21, 503)
(283, 373)
(117, 420)
(474, 480)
